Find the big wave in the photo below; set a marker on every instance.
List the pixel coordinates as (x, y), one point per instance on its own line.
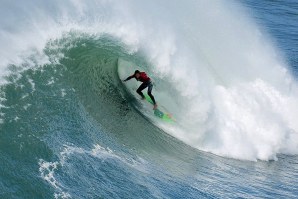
(231, 90)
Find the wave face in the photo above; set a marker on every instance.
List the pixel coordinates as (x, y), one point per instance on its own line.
(220, 74)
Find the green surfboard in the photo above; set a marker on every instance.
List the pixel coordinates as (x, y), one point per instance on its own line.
(158, 113)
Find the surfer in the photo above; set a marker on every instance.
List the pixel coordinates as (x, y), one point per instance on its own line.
(142, 77)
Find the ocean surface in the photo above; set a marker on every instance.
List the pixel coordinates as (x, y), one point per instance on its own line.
(227, 70)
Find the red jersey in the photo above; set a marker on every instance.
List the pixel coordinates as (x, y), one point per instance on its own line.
(143, 77)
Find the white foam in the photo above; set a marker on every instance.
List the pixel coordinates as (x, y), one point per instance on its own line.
(103, 154)
(47, 172)
(47, 169)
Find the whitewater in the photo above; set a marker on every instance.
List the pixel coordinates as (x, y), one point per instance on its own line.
(69, 124)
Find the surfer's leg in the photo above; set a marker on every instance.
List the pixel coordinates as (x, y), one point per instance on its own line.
(142, 87)
(150, 86)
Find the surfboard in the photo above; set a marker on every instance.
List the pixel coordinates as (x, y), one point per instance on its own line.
(159, 113)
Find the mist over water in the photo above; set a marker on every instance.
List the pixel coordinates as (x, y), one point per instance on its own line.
(231, 90)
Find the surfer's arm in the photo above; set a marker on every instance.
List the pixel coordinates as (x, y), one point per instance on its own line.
(130, 77)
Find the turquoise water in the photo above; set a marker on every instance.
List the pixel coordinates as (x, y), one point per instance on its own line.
(69, 129)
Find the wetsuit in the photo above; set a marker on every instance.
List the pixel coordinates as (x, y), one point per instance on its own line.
(146, 83)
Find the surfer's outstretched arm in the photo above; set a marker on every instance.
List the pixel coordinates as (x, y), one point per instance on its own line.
(130, 77)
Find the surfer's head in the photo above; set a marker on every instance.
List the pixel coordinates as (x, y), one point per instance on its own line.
(137, 73)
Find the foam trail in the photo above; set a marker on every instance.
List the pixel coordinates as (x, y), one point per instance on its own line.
(234, 94)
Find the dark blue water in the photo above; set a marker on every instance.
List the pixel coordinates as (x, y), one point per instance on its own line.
(279, 19)
(69, 130)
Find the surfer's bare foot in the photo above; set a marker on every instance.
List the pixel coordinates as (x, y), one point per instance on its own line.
(155, 106)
